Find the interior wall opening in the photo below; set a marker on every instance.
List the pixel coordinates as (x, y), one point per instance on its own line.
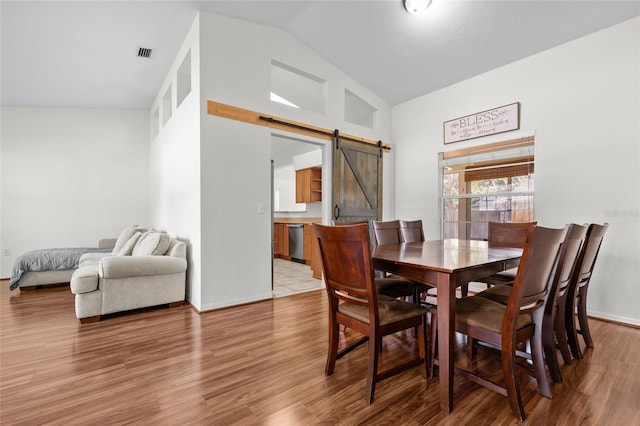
(298, 192)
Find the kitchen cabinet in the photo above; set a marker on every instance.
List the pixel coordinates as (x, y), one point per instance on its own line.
(307, 243)
(281, 241)
(309, 185)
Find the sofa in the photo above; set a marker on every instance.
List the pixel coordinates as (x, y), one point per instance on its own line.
(145, 268)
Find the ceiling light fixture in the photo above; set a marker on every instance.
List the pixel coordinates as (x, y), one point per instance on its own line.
(415, 7)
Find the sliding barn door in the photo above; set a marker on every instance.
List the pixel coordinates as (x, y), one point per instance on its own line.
(357, 181)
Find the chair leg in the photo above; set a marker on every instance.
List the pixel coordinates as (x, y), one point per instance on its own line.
(537, 356)
(582, 316)
(332, 353)
(549, 345)
(464, 289)
(511, 382)
(433, 344)
(375, 345)
(561, 333)
(423, 343)
(570, 326)
(472, 350)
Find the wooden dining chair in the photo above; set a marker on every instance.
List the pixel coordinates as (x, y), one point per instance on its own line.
(553, 334)
(411, 231)
(354, 302)
(506, 234)
(517, 322)
(389, 232)
(577, 292)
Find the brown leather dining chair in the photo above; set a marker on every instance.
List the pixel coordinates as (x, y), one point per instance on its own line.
(517, 322)
(354, 302)
(388, 232)
(506, 234)
(553, 333)
(577, 292)
(411, 231)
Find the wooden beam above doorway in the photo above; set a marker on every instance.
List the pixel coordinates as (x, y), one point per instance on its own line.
(248, 116)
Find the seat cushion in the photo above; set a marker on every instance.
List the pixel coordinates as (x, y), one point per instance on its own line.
(389, 310)
(499, 293)
(485, 313)
(395, 286)
(504, 277)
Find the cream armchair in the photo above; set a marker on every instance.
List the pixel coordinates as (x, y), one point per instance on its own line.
(126, 282)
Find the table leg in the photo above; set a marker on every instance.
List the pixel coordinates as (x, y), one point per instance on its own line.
(446, 338)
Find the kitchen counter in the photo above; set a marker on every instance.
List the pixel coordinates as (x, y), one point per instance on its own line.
(297, 220)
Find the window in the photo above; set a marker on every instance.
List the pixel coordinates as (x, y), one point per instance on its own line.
(297, 89)
(183, 79)
(358, 111)
(486, 183)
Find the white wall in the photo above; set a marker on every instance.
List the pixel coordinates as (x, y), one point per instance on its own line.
(582, 100)
(175, 164)
(235, 157)
(71, 177)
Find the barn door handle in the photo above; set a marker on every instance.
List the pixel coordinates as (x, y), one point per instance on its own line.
(336, 212)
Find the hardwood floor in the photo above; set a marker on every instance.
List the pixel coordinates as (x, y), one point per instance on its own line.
(262, 364)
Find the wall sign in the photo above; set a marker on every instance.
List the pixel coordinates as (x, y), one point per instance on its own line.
(497, 120)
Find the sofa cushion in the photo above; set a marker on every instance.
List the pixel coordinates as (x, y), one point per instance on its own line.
(151, 244)
(127, 249)
(85, 279)
(89, 258)
(124, 236)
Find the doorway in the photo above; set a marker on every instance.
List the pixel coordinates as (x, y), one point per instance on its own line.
(291, 274)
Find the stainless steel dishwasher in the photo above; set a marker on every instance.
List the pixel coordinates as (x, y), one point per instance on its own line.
(296, 241)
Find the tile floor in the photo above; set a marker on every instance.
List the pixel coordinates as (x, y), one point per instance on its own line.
(292, 277)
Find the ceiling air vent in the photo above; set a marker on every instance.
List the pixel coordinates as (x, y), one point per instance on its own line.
(143, 52)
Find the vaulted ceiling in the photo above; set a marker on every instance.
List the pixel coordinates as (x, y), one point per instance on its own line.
(84, 53)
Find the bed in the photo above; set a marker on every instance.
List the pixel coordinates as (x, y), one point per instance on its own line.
(51, 266)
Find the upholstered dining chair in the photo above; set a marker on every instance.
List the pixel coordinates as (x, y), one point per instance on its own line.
(506, 234)
(388, 232)
(411, 231)
(577, 292)
(553, 334)
(354, 302)
(515, 323)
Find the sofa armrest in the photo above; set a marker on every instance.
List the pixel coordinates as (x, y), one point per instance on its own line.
(139, 266)
(107, 243)
(84, 279)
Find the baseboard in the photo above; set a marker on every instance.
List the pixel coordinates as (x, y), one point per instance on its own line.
(629, 322)
(234, 303)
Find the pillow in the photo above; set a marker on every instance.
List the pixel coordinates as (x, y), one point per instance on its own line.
(151, 244)
(127, 249)
(124, 236)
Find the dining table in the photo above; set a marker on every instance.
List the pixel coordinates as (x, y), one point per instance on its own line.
(445, 264)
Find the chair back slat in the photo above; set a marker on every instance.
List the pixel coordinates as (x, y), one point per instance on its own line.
(595, 235)
(537, 264)
(346, 263)
(508, 234)
(576, 235)
(411, 231)
(386, 232)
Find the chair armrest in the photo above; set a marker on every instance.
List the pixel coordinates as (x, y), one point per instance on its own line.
(139, 266)
(106, 243)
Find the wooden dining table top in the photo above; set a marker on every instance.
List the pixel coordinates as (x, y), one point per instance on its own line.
(445, 264)
(447, 256)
